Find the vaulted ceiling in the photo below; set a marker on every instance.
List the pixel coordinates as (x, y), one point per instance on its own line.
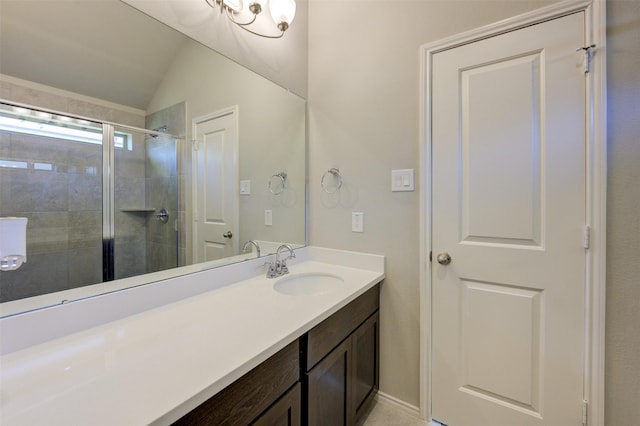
(99, 48)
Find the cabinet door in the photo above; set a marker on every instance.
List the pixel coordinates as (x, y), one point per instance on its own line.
(365, 351)
(285, 412)
(329, 385)
(330, 332)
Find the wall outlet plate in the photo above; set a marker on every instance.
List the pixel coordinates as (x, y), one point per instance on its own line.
(245, 187)
(357, 222)
(268, 217)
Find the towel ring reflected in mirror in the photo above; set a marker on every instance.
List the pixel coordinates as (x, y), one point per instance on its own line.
(331, 181)
(276, 183)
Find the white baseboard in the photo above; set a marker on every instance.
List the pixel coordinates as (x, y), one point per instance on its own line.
(398, 404)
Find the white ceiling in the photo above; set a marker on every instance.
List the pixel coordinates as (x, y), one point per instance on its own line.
(99, 48)
(282, 60)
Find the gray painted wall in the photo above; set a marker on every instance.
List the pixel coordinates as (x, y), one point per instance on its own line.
(622, 374)
(363, 118)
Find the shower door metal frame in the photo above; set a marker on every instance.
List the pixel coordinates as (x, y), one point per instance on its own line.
(108, 203)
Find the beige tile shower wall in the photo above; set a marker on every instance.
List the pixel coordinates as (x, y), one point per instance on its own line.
(59, 193)
(130, 190)
(166, 242)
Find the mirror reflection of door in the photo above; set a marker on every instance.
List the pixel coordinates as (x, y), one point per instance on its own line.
(215, 177)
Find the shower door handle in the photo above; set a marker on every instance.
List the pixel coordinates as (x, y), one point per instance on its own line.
(227, 234)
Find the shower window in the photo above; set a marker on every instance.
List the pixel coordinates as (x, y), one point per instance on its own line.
(123, 140)
(22, 120)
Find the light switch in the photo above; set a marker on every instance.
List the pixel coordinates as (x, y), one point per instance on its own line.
(245, 187)
(268, 217)
(402, 180)
(357, 222)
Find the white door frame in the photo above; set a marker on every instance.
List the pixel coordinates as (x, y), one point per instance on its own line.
(596, 193)
(234, 111)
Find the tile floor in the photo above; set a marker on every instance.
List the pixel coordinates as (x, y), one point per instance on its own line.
(382, 414)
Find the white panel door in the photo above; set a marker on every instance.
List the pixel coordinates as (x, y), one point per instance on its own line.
(216, 193)
(508, 207)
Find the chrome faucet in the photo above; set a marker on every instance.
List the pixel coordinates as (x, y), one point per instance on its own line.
(279, 267)
(282, 264)
(248, 243)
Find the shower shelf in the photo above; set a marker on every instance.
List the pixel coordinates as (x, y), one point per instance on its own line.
(138, 210)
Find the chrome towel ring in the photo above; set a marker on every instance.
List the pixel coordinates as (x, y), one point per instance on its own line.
(276, 186)
(336, 177)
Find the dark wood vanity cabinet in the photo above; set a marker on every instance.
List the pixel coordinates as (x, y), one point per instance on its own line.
(365, 352)
(342, 369)
(285, 412)
(327, 377)
(328, 387)
(268, 395)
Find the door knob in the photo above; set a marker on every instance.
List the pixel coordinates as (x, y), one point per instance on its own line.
(227, 234)
(443, 258)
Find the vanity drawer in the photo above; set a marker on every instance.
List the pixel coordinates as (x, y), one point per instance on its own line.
(327, 335)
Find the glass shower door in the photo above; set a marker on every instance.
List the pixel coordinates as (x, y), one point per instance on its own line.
(145, 213)
(51, 174)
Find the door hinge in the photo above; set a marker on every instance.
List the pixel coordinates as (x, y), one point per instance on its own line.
(195, 144)
(585, 411)
(588, 53)
(586, 237)
(430, 257)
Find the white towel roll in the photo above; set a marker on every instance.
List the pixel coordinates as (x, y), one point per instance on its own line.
(13, 242)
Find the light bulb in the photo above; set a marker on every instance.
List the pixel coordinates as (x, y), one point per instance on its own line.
(282, 12)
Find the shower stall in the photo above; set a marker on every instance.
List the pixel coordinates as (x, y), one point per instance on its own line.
(101, 199)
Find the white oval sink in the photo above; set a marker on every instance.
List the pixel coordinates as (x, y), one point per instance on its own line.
(308, 283)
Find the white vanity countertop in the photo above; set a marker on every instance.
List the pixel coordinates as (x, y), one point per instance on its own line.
(156, 365)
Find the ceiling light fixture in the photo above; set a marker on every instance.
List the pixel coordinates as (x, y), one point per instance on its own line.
(282, 12)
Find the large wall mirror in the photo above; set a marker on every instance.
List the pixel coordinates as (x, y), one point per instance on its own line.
(223, 164)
